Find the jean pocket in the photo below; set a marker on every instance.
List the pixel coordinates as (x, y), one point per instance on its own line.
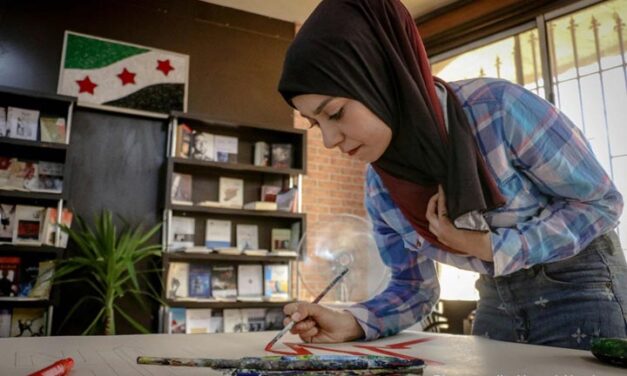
(581, 279)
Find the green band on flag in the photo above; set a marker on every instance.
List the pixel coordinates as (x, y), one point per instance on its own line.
(88, 53)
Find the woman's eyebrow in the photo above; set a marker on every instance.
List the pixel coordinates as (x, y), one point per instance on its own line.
(321, 105)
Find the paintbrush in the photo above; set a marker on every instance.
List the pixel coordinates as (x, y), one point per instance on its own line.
(290, 325)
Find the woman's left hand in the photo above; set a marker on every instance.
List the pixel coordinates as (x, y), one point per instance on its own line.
(474, 243)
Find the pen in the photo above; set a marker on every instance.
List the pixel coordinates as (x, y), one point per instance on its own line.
(290, 325)
(58, 368)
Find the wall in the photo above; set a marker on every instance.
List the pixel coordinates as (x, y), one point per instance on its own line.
(117, 161)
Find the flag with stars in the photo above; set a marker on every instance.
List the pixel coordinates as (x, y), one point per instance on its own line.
(123, 76)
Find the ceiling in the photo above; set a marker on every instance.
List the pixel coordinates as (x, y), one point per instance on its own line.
(298, 10)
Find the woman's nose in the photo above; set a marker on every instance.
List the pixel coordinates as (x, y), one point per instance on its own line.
(331, 136)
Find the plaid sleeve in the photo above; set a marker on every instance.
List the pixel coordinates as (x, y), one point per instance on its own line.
(583, 203)
(413, 288)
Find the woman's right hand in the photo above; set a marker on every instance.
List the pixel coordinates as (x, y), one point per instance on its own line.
(318, 324)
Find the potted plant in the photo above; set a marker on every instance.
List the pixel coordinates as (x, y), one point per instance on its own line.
(106, 261)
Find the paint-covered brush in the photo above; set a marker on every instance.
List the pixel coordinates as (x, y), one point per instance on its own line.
(292, 363)
(290, 325)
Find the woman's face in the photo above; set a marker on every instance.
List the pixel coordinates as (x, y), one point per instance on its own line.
(346, 124)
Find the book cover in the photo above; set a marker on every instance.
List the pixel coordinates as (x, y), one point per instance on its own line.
(295, 236)
(3, 123)
(224, 282)
(5, 172)
(281, 239)
(50, 227)
(28, 224)
(181, 189)
(49, 177)
(235, 321)
(249, 281)
(199, 284)
(181, 233)
(225, 149)
(276, 281)
(256, 319)
(203, 147)
(231, 192)
(28, 322)
(269, 192)
(43, 282)
(247, 237)
(274, 319)
(260, 205)
(184, 137)
(281, 155)
(52, 129)
(23, 175)
(218, 234)
(5, 322)
(177, 280)
(22, 123)
(261, 154)
(217, 322)
(198, 320)
(177, 321)
(29, 269)
(9, 275)
(7, 221)
(287, 200)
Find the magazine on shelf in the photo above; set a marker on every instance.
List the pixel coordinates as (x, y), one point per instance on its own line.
(5, 322)
(3, 124)
(274, 318)
(28, 225)
(181, 234)
(28, 322)
(181, 189)
(184, 137)
(225, 149)
(49, 178)
(203, 147)
(224, 282)
(217, 234)
(281, 238)
(22, 123)
(22, 175)
(199, 283)
(276, 281)
(235, 321)
(231, 192)
(281, 155)
(43, 283)
(198, 320)
(51, 227)
(269, 192)
(178, 274)
(250, 282)
(261, 154)
(256, 319)
(29, 269)
(287, 200)
(52, 129)
(9, 276)
(7, 221)
(247, 237)
(176, 318)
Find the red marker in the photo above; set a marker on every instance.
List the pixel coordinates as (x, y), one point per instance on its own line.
(60, 368)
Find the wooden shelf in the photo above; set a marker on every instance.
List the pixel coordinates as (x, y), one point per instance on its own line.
(17, 302)
(181, 256)
(225, 305)
(36, 94)
(41, 249)
(34, 144)
(242, 212)
(31, 195)
(226, 124)
(236, 167)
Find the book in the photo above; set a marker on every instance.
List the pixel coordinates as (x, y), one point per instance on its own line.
(269, 192)
(184, 137)
(197, 249)
(250, 282)
(281, 155)
(203, 147)
(199, 284)
(261, 154)
(287, 200)
(210, 204)
(228, 251)
(235, 321)
(177, 280)
(5, 172)
(51, 228)
(22, 123)
(198, 320)
(255, 318)
(224, 282)
(5, 322)
(3, 124)
(28, 225)
(29, 269)
(181, 189)
(9, 275)
(217, 322)
(52, 129)
(247, 237)
(181, 234)
(28, 322)
(43, 283)
(281, 238)
(226, 149)
(255, 252)
(217, 234)
(231, 192)
(7, 221)
(177, 320)
(274, 319)
(22, 175)
(295, 236)
(49, 177)
(260, 205)
(276, 281)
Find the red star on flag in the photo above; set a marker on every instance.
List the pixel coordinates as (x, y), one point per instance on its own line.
(86, 86)
(127, 77)
(164, 66)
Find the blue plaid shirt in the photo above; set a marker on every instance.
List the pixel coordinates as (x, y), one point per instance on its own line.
(558, 196)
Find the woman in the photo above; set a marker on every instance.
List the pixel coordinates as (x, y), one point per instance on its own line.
(479, 174)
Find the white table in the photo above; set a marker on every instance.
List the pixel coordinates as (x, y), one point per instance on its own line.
(446, 355)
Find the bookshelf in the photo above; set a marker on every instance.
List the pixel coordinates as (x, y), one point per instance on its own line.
(205, 186)
(32, 150)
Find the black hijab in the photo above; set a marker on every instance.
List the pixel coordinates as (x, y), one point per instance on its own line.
(370, 51)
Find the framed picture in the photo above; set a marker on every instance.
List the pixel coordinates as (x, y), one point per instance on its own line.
(123, 77)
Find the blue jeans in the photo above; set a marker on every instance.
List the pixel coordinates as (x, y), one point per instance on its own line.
(566, 303)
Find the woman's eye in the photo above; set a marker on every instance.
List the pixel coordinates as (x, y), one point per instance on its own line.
(337, 115)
